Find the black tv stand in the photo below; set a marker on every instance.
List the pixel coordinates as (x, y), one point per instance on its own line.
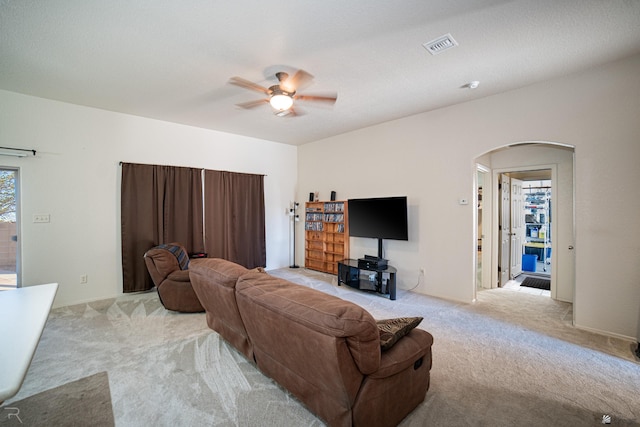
(379, 280)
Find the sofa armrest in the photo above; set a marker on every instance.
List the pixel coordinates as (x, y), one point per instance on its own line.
(414, 348)
(179, 276)
(401, 383)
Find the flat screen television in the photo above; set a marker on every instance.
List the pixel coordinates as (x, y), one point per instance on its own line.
(379, 218)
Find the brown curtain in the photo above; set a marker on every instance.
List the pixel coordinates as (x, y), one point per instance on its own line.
(235, 217)
(159, 204)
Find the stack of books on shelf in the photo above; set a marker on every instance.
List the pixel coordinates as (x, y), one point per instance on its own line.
(333, 217)
(334, 207)
(314, 216)
(313, 226)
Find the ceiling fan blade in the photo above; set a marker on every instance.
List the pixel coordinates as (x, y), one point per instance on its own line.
(253, 104)
(299, 80)
(317, 98)
(294, 112)
(300, 112)
(239, 81)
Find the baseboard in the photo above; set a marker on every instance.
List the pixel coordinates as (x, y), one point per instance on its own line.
(607, 334)
(100, 298)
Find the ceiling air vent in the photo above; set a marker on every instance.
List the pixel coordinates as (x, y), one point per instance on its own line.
(440, 44)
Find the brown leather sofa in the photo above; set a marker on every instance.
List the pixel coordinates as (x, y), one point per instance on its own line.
(324, 350)
(168, 267)
(214, 282)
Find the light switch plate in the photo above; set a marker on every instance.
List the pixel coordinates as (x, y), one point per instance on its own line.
(41, 218)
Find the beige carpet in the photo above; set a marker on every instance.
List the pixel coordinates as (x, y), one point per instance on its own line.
(510, 359)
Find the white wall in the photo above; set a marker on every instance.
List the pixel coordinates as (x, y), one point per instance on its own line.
(430, 158)
(75, 178)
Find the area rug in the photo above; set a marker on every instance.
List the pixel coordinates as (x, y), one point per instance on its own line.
(533, 282)
(86, 401)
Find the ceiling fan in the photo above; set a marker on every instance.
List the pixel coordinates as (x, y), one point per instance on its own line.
(281, 96)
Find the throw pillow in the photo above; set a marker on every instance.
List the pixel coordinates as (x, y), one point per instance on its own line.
(391, 330)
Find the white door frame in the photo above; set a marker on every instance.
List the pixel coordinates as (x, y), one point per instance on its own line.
(485, 233)
(16, 170)
(517, 228)
(504, 229)
(18, 230)
(495, 235)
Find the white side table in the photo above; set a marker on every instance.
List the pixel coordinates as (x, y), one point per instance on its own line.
(23, 314)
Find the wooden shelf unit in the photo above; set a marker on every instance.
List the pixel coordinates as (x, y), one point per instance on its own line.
(326, 235)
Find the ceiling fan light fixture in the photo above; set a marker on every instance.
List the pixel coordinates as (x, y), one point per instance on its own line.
(282, 113)
(281, 96)
(281, 102)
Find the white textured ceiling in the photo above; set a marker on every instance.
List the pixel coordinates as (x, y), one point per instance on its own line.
(171, 60)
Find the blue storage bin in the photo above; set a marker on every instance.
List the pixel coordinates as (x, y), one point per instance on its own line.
(529, 262)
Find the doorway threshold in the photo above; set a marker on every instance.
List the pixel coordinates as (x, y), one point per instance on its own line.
(542, 275)
(514, 285)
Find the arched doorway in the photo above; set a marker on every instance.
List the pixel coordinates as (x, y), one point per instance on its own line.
(517, 158)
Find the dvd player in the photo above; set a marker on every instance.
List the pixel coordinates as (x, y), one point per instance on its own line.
(372, 263)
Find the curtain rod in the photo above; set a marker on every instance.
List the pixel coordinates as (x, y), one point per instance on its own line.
(21, 150)
(191, 167)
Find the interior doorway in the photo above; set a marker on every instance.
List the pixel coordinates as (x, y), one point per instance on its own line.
(520, 159)
(9, 271)
(526, 230)
(538, 243)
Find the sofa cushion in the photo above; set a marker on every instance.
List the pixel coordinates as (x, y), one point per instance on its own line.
(214, 282)
(317, 311)
(219, 271)
(179, 276)
(391, 330)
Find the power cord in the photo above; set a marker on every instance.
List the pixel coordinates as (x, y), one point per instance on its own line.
(417, 284)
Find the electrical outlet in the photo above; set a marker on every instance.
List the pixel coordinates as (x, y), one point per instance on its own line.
(84, 279)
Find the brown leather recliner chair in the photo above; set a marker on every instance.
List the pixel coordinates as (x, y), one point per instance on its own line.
(168, 266)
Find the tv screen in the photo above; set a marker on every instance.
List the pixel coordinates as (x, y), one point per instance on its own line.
(380, 218)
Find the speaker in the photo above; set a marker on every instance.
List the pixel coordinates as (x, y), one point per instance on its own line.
(333, 196)
(311, 197)
(349, 276)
